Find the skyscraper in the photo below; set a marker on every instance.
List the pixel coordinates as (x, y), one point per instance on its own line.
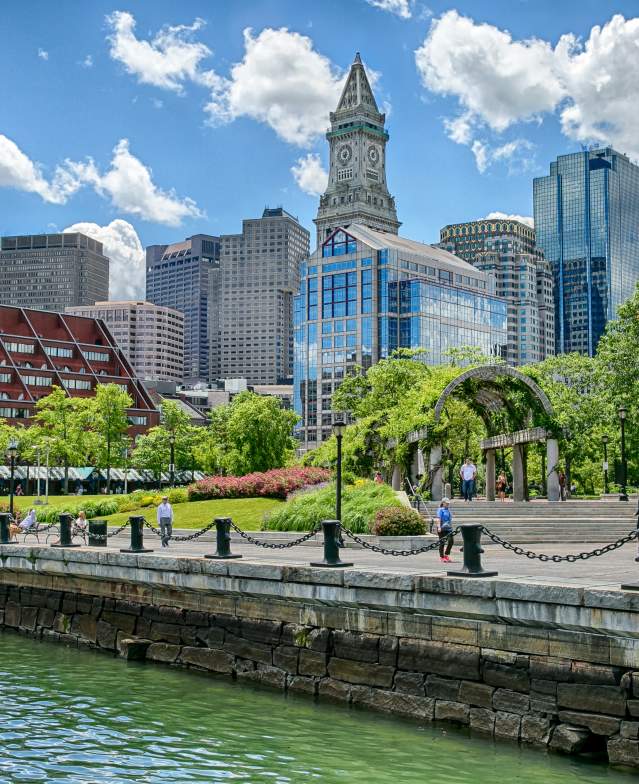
(252, 298)
(365, 291)
(357, 190)
(587, 225)
(52, 271)
(506, 250)
(177, 276)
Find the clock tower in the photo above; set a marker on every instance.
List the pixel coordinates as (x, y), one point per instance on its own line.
(357, 190)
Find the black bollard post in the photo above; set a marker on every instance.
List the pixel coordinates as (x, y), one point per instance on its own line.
(97, 530)
(331, 531)
(633, 586)
(471, 534)
(5, 529)
(136, 523)
(66, 531)
(223, 540)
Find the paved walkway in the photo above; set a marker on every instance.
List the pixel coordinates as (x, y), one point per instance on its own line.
(606, 571)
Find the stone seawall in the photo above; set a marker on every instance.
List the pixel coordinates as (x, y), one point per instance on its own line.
(551, 665)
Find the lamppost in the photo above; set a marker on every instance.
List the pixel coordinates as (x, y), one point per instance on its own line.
(125, 455)
(604, 441)
(339, 427)
(38, 501)
(12, 453)
(172, 458)
(622, 411)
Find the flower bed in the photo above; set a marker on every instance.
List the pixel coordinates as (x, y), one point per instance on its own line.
(277, 483)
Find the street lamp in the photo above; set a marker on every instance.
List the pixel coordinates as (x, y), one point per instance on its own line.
(604, 441)
(339, 427)
(623, 496)
(172, 463)
(125, 455)
(12, 453)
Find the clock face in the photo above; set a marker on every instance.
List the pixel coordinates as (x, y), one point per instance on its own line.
(344, 154)
(373, 155)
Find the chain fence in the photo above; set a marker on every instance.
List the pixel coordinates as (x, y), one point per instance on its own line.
(385, 551)
(101, 537)
(271, 545)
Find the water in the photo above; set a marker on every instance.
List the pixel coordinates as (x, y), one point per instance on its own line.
(77, 716)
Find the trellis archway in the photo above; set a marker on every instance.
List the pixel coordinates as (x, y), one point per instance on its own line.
(488, 396)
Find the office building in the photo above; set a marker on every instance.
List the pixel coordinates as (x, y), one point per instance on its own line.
(365, 293)
(357, 191)
(587, 225)
(151, 336)
(253, 314)
(506, 250)
(177, 277)
(52, 271)
(40, 349)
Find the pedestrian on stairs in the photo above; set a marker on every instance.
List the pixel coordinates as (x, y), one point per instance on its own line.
(444, 531)
(468, 474)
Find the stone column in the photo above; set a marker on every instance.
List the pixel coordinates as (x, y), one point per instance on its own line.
(396, 481)
(518, 473)
(436, 472)
(490, 474)
(552, 458)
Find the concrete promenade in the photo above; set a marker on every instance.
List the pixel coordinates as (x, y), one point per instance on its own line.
(606, 572)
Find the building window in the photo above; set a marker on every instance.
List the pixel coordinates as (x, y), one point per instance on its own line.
(344, 174)
(58, 351)
(97, 356)
(20, 348)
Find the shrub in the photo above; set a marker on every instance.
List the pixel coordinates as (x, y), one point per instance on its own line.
(16, 512)
(398, 521)
(177, 495)
(359, 505)
(277, 483)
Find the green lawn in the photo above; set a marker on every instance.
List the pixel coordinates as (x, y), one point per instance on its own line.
(246, 512)
(25, 502)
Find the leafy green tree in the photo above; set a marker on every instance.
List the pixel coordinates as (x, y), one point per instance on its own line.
(110, 423)
(152, 451)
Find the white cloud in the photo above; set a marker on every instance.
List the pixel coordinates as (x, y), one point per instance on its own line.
(310, 175)
(130, 186)
(498, 81)
(168, 60)
(506, 216)
(43, 54)
(283, 82)
(516, 154)
(124, 249)
(18, 171)
(401, 8)
(87, 62)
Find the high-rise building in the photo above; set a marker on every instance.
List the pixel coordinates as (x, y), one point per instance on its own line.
(151, 336)
(39, 350)
(178, 277)
(357, 190)
(506, 250)
(587, 225)
(253, 312)
(52, 271)
(365, 293)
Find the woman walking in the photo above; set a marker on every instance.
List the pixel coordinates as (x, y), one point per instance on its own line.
(444, 531)
(500, 485)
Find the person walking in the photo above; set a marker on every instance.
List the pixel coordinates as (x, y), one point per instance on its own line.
(500, 485)
(165, 520)
(468, 474)
(444, 531)
(562, 485)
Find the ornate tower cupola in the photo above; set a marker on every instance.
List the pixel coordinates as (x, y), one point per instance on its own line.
(357, 190)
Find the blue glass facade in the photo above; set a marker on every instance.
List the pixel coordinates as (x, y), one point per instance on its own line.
(359, 301)
(587, 224)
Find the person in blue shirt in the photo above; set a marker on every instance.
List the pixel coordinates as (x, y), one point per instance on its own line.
(444, 531)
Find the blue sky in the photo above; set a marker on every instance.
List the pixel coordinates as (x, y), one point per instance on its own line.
(155, 120)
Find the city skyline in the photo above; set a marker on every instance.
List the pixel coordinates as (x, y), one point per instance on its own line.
(155, 96)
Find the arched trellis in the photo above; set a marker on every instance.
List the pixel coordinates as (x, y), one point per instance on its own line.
(489, 374)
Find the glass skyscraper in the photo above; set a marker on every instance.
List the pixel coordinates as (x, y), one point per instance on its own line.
(365, 293)
(587, 225)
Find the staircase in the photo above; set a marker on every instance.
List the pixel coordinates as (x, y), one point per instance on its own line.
(539, 521)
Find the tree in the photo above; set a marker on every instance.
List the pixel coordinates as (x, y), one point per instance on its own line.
(65, 428)
(152, 451)
(110, 423)
(252, 433)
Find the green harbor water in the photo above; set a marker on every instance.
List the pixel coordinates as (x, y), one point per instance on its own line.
(77, 716)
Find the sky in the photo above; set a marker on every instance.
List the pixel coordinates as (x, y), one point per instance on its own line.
(147, 122)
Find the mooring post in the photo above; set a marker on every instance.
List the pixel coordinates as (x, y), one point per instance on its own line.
(66, 531)
(472, 549)
(97, 533)
(331, 531)
(223, 540)
(136, 523)
(5, 529)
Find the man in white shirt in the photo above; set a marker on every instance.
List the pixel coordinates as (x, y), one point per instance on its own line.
(468, 473)
(165, 520)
